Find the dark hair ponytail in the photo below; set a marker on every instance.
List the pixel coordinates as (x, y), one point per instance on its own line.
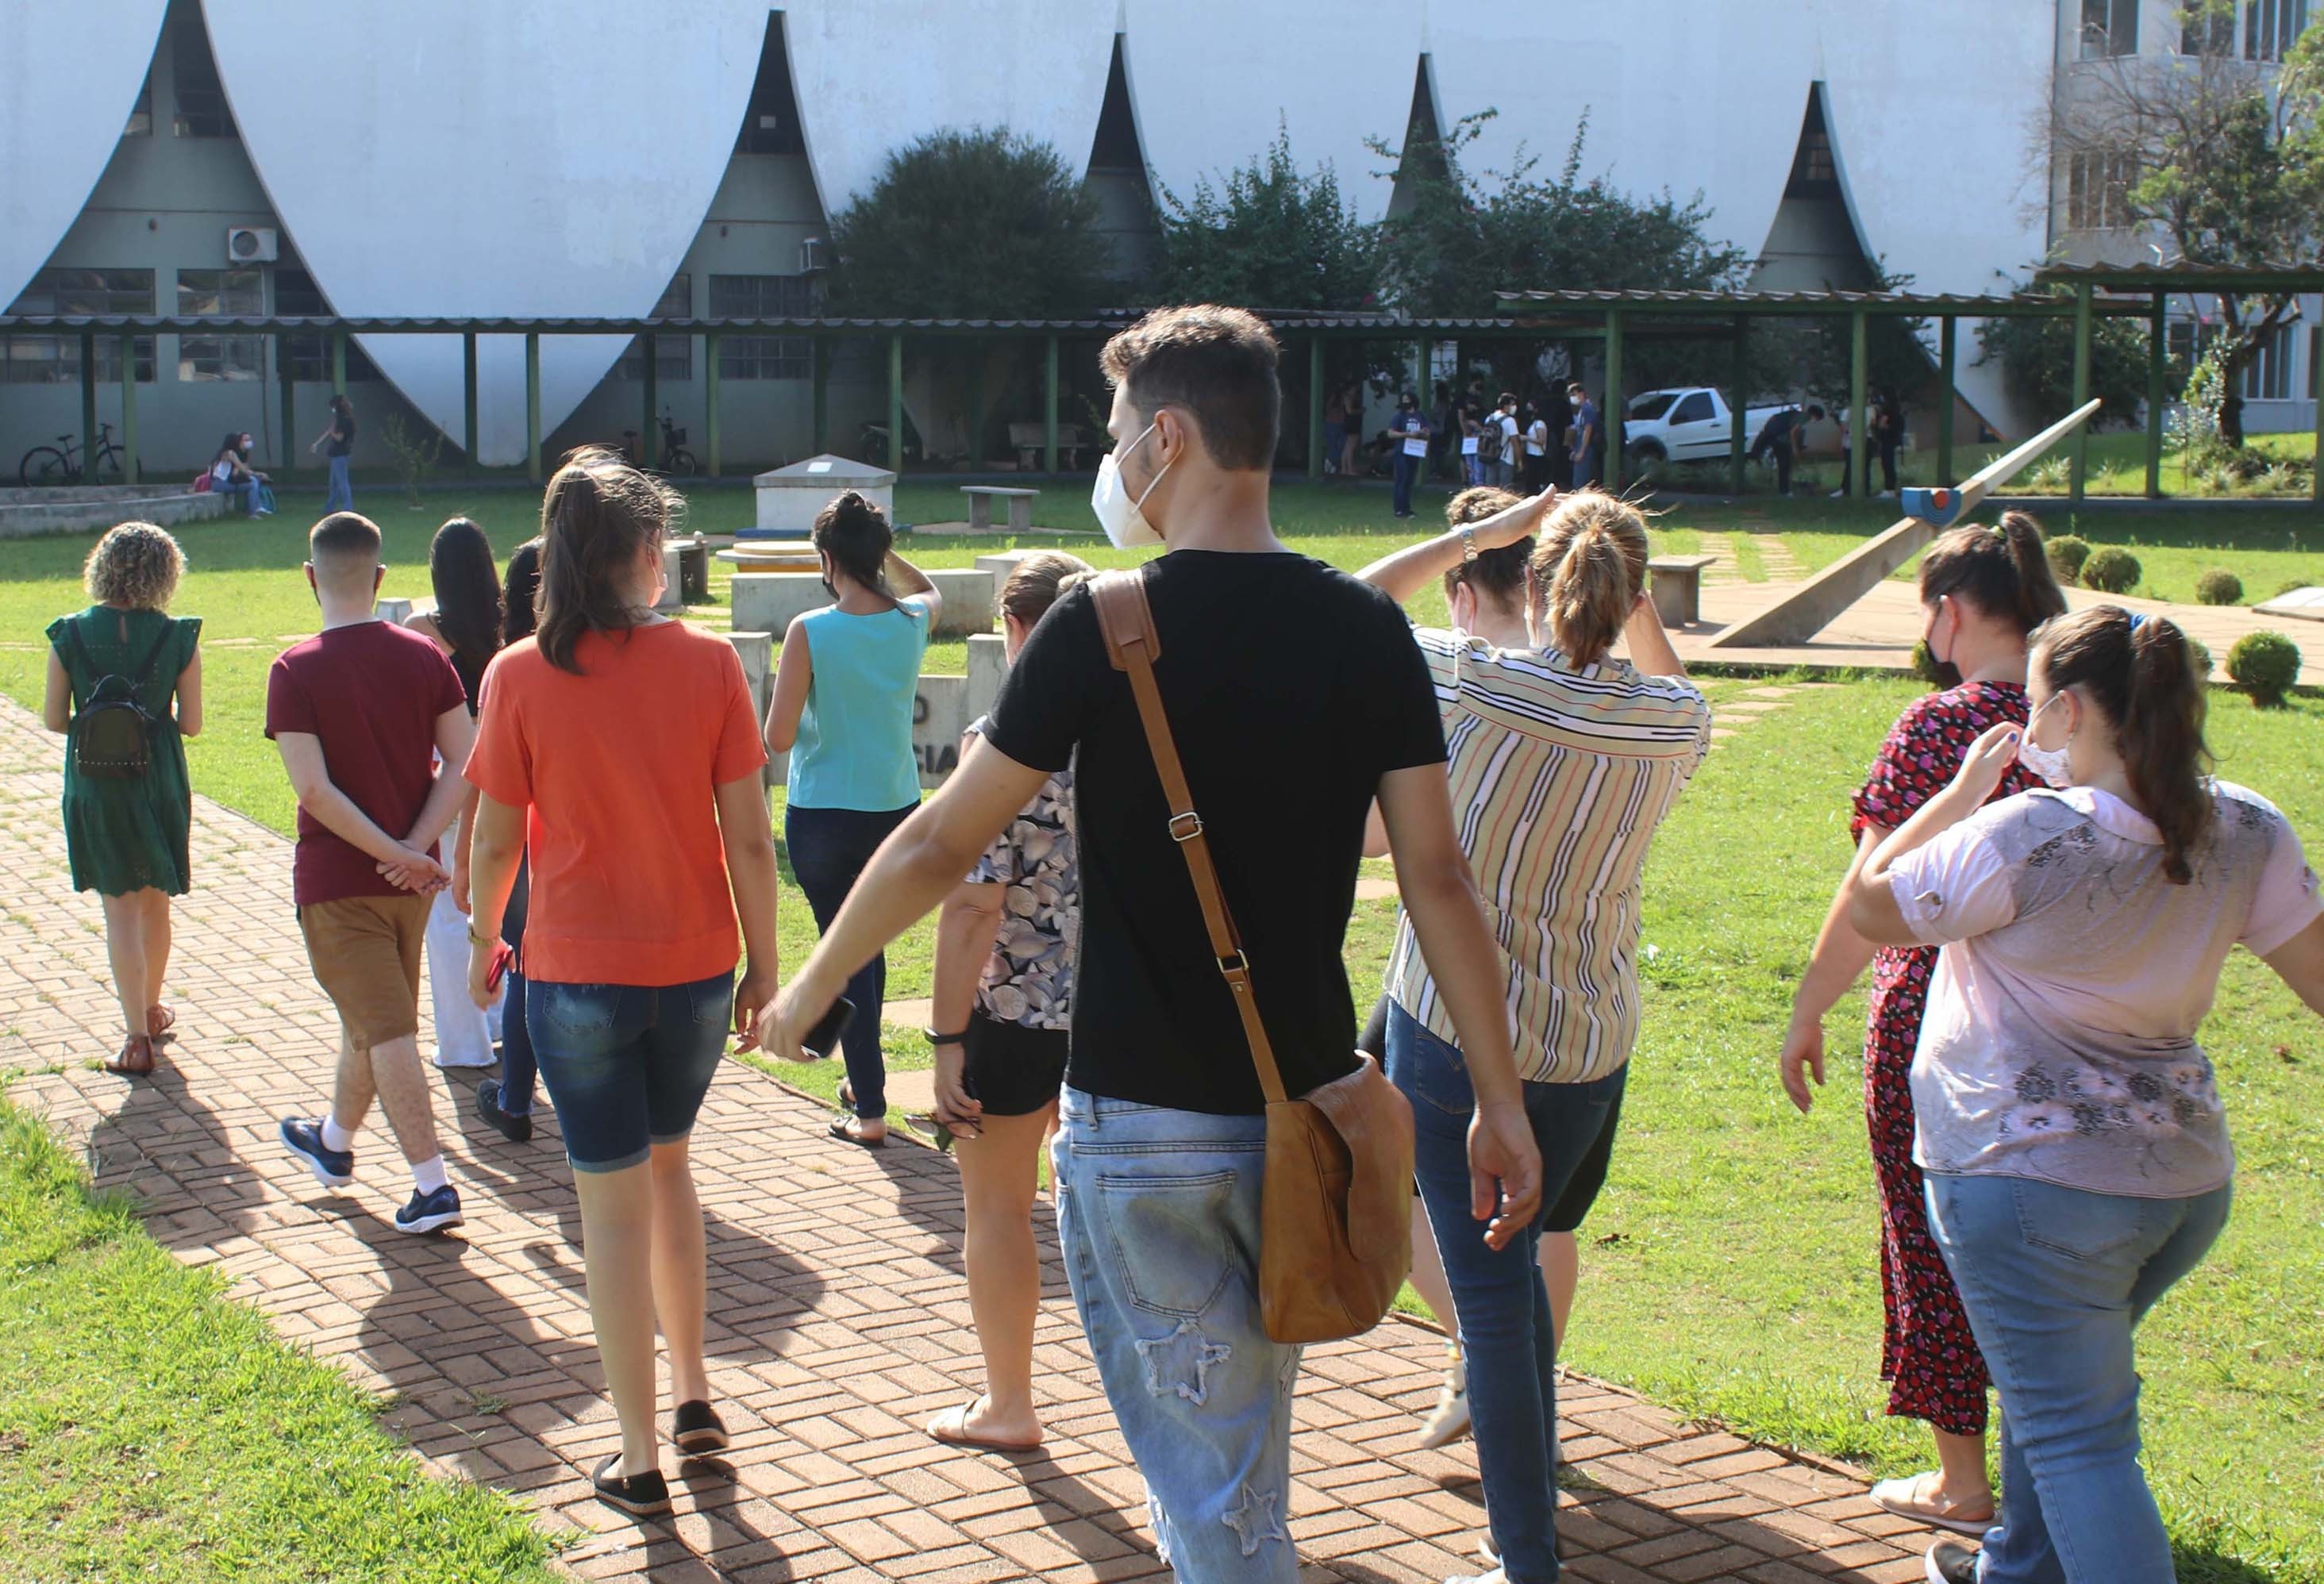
(2140, 674)
(519, 613)
(597, 514)
(854, 534)
(467, 588)
(2004, 571)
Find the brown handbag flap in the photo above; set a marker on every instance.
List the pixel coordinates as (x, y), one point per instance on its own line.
(1374, 1120)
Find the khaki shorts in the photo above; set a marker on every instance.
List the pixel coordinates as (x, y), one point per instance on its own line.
(366, 952)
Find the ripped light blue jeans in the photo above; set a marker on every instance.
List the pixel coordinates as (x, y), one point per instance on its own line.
(1157, 1211)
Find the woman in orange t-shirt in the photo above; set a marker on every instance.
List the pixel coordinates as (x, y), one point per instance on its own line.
(619, 751)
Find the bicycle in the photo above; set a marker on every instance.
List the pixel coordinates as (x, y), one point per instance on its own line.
(675, 459)
(47, 466)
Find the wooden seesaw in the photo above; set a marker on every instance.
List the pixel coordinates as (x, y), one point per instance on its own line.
(1799, 615)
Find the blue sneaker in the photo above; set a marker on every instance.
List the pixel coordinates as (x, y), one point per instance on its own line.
(429, 1212)
(303, 1136)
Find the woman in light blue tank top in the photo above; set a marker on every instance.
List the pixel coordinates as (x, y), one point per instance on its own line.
(844, 691)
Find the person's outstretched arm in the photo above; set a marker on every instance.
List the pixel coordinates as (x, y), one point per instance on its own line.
(912, 587)
(1416, 567)
(1839, 961)
(914, 869)
(1441, 896)
(751, 871)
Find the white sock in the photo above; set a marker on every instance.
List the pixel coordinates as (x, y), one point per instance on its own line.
(335, 1136)
(428, 1175)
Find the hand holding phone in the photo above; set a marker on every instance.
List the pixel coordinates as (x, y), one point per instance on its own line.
(824, 1037)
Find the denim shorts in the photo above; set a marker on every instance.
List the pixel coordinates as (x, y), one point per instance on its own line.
(626, 1066)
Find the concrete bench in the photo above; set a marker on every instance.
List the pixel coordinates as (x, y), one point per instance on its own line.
(1677, 588)
(979, 507)
(766, 601)
(1031, 440)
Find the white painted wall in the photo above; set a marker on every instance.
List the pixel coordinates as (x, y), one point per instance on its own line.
(73, 72)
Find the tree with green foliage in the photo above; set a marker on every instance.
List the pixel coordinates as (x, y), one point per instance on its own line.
(2220, 157)
(977, 224)
(1459, 236)
(2037, 356)
(1269, 236)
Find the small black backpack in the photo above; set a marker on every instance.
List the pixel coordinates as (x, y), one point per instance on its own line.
(112, 736)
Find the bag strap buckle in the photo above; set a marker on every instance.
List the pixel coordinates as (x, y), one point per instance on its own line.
(1187, 826)
(1234, 967)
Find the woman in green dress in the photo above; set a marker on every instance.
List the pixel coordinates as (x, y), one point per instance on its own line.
(127, 836)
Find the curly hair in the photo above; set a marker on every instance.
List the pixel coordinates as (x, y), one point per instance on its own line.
(136, 566)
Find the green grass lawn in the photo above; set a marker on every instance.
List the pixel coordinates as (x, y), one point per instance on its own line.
(152, 1429)
(1732, 1268)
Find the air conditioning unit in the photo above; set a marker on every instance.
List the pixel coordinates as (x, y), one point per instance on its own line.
(253, 245)
(815, 256)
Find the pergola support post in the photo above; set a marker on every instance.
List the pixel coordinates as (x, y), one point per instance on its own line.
(2078, 448)
(1859, 419)
(129, 472)
(1316, 408)
(468, 414)
(713, 435)
(976, 408)
(1611, 412)
(338, 362)
(289, 409)
(532, 407)
(88, 408)
(1049, 404)
(819, 365)
(2158, 348)
(1948, 396)
(1735, 439)
(896, 403)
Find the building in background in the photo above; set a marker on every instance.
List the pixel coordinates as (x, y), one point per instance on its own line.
(535, 158)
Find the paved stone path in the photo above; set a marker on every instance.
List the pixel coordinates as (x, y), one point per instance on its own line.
(838, 1322)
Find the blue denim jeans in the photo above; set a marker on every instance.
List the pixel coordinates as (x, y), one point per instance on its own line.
(1407, 469)
(1506, 1338)
(2055, 1281)
(828, 848)
(341, 495)
(518, 1068)
(627, 1066)
(1157, 1215)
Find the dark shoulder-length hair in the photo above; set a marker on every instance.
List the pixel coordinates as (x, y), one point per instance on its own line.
(598, 513)
(521, 594)
(467, 586)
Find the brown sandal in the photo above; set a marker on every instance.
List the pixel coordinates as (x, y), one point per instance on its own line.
(160, 1019)
(136, 1058)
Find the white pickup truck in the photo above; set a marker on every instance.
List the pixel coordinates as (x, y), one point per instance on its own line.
(1687, 424)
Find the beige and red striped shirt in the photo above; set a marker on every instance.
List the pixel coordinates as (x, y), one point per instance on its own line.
(1559, 778)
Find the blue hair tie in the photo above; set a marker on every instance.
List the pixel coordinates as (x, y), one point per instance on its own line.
(2137, 619)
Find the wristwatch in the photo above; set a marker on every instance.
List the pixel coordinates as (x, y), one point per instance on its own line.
(934, 1038)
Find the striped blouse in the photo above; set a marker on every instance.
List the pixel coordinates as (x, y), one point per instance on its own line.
(1559, 779)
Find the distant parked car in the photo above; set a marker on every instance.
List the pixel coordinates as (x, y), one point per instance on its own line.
(1687, 424)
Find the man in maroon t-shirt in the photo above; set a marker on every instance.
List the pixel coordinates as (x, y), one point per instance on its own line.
(360, 713)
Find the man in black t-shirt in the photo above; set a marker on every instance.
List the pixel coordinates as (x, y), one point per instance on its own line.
(1295, 697)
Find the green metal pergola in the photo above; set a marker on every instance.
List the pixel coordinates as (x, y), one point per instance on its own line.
(1614, 318)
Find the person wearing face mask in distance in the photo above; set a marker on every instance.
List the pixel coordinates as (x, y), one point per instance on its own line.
(1983, 591)
(1409, 434)
(2071, 1128)
(842, 708)
(232, 475)
(1274, 670)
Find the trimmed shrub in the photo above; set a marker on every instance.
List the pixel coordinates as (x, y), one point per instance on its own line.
(2111, 571)
(2220, 586)
(2067, 553)
(2264, 665)
(2294, 586)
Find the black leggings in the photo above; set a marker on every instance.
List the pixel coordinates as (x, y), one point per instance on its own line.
(828, 849)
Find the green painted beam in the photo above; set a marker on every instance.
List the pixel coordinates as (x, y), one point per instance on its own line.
(129, 472)
(1860, 420)
(1314, 410)
(468, 418)
(1949, 397)
(1049, 405)
(1736, 397)
(338, 362)
(710, 404)
(896, 404)
(289, 413)
(2158, 351)
(89, 440)
(1611, 412)
(819, 368)
(532, 408)
(2078, 448)
(650, 394)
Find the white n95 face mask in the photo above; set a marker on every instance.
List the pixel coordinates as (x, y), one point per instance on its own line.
(1121, 517)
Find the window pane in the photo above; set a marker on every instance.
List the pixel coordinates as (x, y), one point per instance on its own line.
(763, 297)
(37, 360)
(205, 293)
(201, 109)
(673, 355)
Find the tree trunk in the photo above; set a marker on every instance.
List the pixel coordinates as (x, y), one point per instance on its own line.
(2231, 416)
(2240, 352)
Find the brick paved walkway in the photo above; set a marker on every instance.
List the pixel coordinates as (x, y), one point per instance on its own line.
(838, 1322)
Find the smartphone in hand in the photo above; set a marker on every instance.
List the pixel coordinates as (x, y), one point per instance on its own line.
(824, 1037)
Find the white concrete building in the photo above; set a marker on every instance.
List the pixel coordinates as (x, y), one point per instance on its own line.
(530, 158)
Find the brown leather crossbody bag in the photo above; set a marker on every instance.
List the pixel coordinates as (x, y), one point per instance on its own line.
(1335, 1214)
